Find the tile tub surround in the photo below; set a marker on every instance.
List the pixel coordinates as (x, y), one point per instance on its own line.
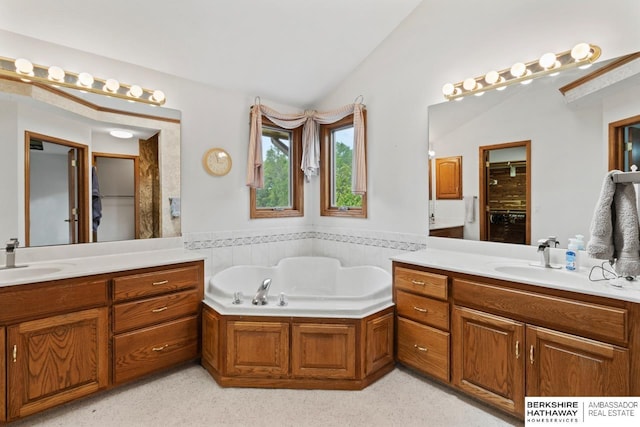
(267, 246)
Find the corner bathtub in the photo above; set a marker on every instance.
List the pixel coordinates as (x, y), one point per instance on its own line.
(311, 286)
(335, 332)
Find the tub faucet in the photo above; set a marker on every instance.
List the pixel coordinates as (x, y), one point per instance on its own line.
(261, 295)
(12, 245)
(543, 249)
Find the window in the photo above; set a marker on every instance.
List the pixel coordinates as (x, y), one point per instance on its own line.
(282, 194)
(336, 154)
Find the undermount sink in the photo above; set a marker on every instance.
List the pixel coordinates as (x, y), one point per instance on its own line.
(531, 271)
(28, 272)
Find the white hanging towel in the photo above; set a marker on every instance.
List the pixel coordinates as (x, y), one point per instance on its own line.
(469, 209)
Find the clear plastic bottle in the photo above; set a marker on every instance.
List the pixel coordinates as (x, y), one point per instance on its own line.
(571, 256)
(580, 242)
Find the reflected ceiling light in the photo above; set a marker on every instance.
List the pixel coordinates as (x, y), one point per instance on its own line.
(582, 55)
(123, 134)
(55, 76)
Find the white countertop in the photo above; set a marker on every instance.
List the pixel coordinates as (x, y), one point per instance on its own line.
(479, 264)
(65, 268)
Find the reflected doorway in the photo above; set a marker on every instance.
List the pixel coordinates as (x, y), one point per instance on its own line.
(505, 192)
(624, 144)
(116, 211)
(56, 182)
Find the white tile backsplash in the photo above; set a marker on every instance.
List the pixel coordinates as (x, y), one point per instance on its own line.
(268, 246)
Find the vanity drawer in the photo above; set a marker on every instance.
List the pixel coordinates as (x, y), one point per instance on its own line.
(155, 282)
(425, 310)
(574, 316)
(421, 282)
(424, 348)
(147, 350)
(136, 314)
(43, 299)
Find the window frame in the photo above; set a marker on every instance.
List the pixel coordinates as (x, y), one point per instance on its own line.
(326, 184)
(297, 180)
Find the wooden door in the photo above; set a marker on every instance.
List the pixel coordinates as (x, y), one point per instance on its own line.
(72, 191)
(379, 343)
(560, 364)
(55, 360)
(257, 348)
(488, 358)
(449, 178)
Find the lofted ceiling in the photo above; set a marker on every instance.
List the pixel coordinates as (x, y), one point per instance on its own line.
(291, 51)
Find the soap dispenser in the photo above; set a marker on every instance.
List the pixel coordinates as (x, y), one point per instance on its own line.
(571, 256)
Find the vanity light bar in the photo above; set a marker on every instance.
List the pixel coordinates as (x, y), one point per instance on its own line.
(55, 76)
(582, 54)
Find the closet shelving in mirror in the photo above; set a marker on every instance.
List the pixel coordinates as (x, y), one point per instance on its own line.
(55, 76)
(582, 54)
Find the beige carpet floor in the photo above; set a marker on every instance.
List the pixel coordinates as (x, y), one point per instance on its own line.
(188, 396)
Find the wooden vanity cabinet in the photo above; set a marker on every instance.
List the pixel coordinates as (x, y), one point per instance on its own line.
(65, 339)
(56, 343)
(449, 178)
(510, 340)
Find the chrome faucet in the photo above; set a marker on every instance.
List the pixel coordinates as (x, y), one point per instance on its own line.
(261, 295)
(543, 249)
(12, 245)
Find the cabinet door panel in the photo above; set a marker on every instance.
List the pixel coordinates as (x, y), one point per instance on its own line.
(566, 365)
(257, 348)
(488, 358)
(323, 350)
(379, 343)
(56, 359)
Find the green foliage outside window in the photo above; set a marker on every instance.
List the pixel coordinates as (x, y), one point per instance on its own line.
(276, 190)
(343, 168)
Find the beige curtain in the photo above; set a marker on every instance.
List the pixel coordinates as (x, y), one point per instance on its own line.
(311, 120)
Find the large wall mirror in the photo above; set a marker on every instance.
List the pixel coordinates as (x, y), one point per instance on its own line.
(566, 120)
(68, 180)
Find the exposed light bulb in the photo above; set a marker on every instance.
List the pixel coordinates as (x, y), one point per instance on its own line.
(518, 69)
(111, 85)
(492, 77)
(135, 91)
(581, 51)
(448, 89)
(85, 79)
(56, 74)
(24, 66)
(548, 60)
(469, 84)
(158, 96)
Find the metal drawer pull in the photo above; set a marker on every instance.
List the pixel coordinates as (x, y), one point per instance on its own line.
(160, 348)
(531, 354)
(158, 310)
(517, 349)
(416, 346)
(421, 310)
(15, 353)
(162, 282)
(417, 282)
